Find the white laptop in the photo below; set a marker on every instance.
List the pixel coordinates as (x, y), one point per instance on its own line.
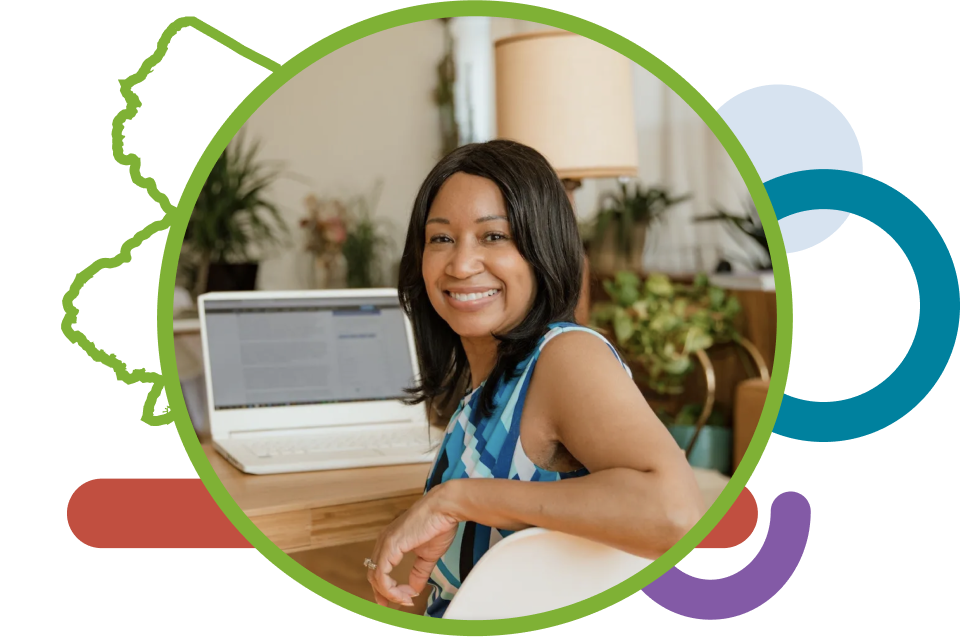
(307, 380)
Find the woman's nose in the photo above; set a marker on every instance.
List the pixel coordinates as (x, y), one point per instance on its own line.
(465, 262)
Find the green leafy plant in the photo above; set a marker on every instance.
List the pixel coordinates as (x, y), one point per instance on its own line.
(233, 212)
(661, 324)
(626, 214)
(746, 230)
(365, 243)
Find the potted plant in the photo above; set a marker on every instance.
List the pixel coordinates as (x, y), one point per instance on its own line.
(346, 240)
(233, 214)
(661, 326)
(618, 234)
(365, 244)
(747, 231)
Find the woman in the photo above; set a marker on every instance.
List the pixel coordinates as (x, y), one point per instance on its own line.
(490, 277)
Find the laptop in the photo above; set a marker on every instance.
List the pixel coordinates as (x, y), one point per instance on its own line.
(309, 380)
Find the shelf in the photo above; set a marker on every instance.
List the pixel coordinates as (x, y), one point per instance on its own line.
(758, 281)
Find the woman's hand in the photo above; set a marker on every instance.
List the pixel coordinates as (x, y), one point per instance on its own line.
(427, 529)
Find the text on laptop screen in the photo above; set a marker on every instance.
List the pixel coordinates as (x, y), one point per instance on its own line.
(275, 352)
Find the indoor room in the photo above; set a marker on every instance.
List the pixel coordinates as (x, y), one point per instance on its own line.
(316, 193)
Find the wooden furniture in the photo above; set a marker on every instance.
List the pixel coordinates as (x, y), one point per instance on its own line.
(317, 509)
(747, 407)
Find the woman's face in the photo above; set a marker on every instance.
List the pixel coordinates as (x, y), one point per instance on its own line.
(475, 277)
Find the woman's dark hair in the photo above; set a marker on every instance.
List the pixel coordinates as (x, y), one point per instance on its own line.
(545, 230)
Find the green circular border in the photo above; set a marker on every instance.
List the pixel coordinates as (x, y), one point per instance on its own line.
(503, 10)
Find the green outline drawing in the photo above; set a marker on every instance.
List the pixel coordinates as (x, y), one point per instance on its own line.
(125, 255)
(177, 223)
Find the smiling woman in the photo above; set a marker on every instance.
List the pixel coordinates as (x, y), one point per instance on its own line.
(490, 278)
(471, 266)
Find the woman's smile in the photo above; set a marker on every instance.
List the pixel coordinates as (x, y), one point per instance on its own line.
(472, 299)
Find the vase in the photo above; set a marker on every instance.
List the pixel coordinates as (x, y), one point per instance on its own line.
(337, 272)
(610, 258)
(318, 273)
(713, 449)
(329, 272)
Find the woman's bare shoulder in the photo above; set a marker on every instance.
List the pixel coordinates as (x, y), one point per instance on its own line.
(594, 407)
(575, 363)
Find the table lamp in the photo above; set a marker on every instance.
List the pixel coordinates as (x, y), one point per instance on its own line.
(571, 99)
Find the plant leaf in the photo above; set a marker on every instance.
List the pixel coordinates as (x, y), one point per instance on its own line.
(622, 325)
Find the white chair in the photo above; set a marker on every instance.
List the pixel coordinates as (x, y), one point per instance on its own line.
(536, 570)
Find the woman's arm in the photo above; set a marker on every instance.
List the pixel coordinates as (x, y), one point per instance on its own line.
(623, 508)
(641, 495)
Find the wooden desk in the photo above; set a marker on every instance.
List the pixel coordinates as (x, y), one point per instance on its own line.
(317, 509)
(320, 509)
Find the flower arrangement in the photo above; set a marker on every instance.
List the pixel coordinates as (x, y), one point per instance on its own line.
(326, 228)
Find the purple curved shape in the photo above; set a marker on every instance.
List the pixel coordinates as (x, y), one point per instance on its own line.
(754, 585)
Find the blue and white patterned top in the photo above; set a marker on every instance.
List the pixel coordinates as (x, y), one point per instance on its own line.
(475, 447)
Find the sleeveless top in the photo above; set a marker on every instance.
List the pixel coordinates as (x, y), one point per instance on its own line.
(476, 447)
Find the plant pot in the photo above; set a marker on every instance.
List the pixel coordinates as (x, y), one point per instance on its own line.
(609, 259)
(329, 272)
(232, 277)
(713, 449)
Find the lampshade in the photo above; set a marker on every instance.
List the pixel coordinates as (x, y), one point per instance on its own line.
(571, 99)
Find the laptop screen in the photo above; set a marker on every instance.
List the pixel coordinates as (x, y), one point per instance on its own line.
(276, 352)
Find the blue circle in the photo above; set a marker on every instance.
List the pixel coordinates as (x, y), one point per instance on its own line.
(787, 129)
(939, 304)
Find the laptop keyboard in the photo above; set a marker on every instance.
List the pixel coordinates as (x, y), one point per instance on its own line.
(388, 442)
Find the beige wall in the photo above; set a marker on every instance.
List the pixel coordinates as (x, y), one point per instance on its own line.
(365, 112)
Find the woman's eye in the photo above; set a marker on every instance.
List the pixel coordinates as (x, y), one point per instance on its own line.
(496, 236)
(438, 238)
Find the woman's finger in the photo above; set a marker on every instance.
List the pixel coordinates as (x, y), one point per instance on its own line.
(380, 586)
(380, 599)
(420, 573)
(407, 590)
(381, 581)
(386, 585)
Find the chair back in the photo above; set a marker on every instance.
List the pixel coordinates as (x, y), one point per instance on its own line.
(536, 570)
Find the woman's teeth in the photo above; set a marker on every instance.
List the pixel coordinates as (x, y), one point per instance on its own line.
(474, 296)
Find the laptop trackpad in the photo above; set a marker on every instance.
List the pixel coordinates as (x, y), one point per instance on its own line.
(332, 453)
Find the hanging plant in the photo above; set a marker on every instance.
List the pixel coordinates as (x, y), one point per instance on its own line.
(443, 94)
(747, 231)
